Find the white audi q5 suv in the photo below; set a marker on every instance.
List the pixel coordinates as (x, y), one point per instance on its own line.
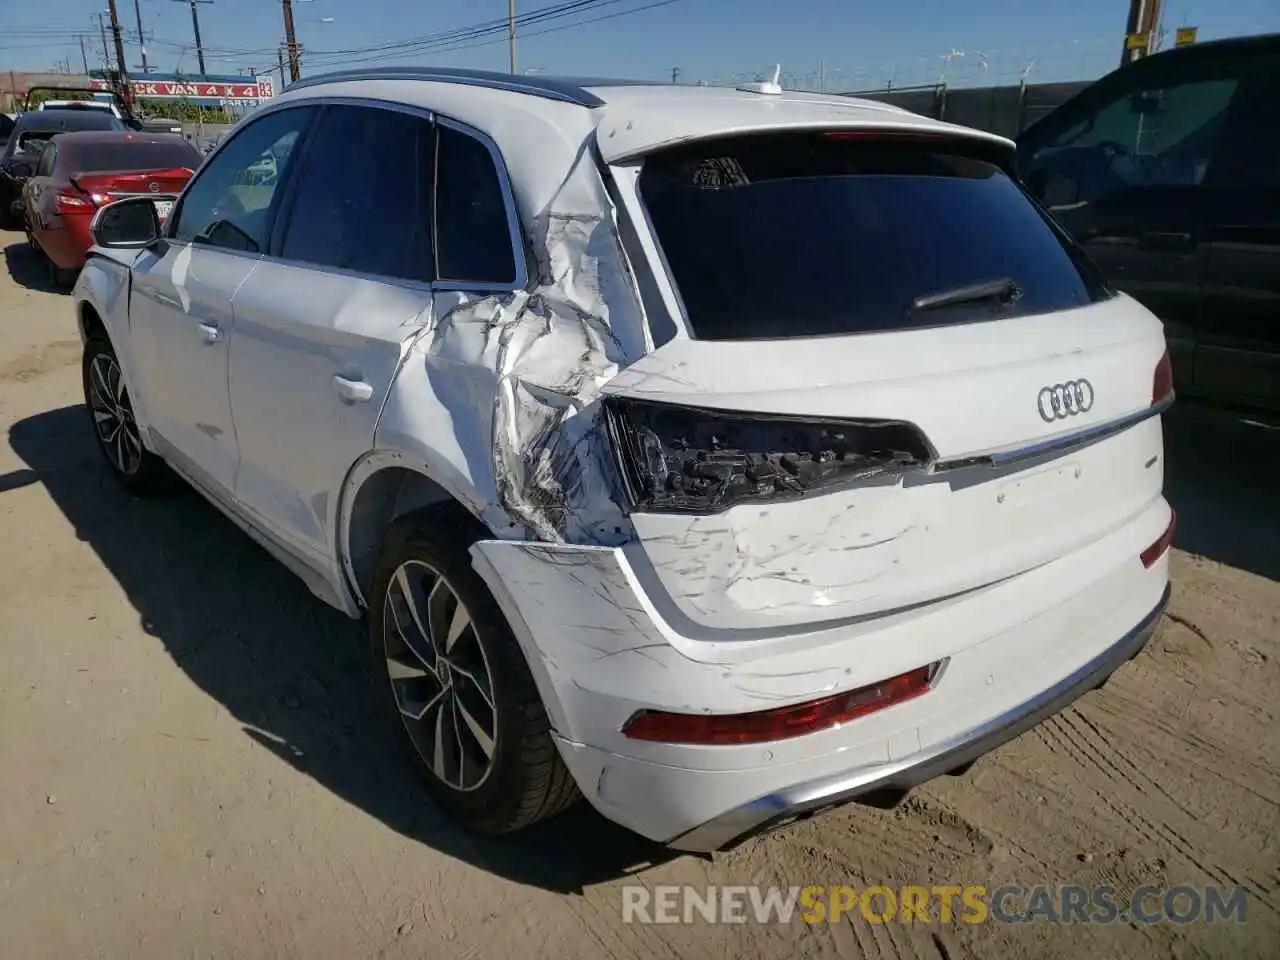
(720, 455)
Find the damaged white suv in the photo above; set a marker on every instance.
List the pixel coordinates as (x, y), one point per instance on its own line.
(718, 455)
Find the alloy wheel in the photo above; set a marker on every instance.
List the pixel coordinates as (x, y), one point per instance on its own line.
(113, 414)
(440, 676)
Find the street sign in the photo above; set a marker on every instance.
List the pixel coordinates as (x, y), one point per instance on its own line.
(1136, 41)
(1185, 36)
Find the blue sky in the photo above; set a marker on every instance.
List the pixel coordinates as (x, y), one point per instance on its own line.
(854, 44)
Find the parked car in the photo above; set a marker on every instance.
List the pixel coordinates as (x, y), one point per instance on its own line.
(79, 172)
(1167, 172)
(18, 161)
(719, 455)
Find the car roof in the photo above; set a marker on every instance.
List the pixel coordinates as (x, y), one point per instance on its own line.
(637, 116)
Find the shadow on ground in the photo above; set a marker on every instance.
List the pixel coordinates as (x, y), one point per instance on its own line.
(28, 268)
(1221, 476)
(287, 667)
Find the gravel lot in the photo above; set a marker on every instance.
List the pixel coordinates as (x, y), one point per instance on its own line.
(188, 765)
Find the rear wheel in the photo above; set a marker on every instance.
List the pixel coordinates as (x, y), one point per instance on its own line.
(454, 682)
(106, 397)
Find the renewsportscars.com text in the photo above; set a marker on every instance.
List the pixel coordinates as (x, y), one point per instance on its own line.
(942, 904)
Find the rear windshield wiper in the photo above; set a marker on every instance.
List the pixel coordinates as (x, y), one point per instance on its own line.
(1004, 290)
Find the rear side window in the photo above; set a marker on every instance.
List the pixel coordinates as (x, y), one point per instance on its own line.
(473, 235)
(363, 200)
(817, 234)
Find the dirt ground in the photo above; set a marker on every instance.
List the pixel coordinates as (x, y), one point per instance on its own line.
(189, 765)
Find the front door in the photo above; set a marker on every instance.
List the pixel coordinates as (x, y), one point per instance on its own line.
(322, 324)
(1238, 353)
(181, 319)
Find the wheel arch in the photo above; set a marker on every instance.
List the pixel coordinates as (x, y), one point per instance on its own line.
(90, 321)
(382, 486)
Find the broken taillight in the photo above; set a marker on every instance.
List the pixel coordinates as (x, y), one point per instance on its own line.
(678, 459)
(765, 726)
(1162, 381)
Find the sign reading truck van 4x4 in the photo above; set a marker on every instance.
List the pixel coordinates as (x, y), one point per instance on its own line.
(205, 89)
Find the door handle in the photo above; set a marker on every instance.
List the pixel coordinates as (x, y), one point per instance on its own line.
(353, 391)
(210, 333)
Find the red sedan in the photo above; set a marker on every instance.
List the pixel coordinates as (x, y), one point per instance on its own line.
(79, 172)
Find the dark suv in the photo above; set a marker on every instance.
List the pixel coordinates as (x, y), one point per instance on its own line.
(1168, 172)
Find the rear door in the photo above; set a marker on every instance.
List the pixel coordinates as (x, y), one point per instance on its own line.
(1238, 353)
(898, 381)
(322, 321)
(1123, 167)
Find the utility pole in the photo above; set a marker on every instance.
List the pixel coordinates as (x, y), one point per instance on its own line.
(84, 57)
(675, 74)
(142, 41)
(195, 26)
(280, 58)
(511, 32)
(106, 55)
(291, 42)
(122, 77)
(1143, 16)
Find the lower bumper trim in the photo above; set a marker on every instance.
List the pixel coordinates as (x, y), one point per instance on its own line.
(803, 800)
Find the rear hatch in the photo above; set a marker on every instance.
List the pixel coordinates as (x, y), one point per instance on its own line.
(901, 381)
(112, 185)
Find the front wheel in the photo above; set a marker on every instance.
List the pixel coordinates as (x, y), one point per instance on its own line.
(454, 682)
(106, 397)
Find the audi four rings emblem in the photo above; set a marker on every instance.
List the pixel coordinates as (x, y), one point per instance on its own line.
(1064, 400)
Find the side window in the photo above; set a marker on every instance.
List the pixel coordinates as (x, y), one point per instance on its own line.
(473, 234)
(364, 195)
(230, 201)
(1153, 134)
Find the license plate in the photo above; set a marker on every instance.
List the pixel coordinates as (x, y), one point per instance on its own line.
(163, 208)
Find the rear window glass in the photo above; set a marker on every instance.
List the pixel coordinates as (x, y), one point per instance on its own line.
(813, 235)
(95, 157)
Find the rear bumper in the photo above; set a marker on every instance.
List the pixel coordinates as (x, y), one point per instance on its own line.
(600, 650)
(805, 799)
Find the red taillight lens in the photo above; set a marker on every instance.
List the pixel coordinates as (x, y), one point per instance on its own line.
(768, 725)
(1162, 382)
(73, 201)
(1163, 542)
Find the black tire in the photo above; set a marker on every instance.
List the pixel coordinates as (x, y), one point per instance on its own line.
(527, 780)
(142, 474)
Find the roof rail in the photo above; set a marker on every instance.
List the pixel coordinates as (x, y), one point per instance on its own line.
(563, 89)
